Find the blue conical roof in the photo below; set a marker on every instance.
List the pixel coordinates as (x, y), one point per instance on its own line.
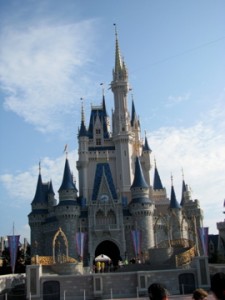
(50, 188)
(139, 180)
(104, 106)
(39, 194)
(146, 146)
(67, 182)
(173, 200)
(133, 114)
(82, 131)
(184, 190)
(157, 184)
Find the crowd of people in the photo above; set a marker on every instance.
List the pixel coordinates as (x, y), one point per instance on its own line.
(157, 291)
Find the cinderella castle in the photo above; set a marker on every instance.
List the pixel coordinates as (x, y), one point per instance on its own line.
(115, 210)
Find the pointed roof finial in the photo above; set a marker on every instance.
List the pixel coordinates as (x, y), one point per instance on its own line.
(39, 166)
(66, 150)
(114, 24)
(182, 172)
(171, 179)
(82, 110)
(103, 89)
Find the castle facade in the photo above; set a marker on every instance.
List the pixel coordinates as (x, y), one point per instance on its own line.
(116, 210)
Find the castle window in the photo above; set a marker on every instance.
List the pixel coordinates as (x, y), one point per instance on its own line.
(98, 141)
(98, 131)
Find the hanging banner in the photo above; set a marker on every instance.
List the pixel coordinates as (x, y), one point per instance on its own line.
(136, 237)
(13, 242)
(80, 241)
(203, 233)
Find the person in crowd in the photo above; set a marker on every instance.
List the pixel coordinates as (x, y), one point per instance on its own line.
(199, 294)
(156, 291)
(218, 285)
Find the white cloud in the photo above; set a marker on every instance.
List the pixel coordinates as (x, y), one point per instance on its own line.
(21, 186)
(174, 100)
(200, 151)
(39, 67)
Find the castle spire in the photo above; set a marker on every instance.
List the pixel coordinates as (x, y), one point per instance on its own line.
(120, 71)
(133, 112)
(39, 194)
(139, 180)
(146, 145)
(157, 183)
(82, 130)
(67, 182)
(173, 200)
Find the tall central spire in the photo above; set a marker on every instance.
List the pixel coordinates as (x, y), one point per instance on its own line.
(120, 88)
(118, 60)
(120, 70)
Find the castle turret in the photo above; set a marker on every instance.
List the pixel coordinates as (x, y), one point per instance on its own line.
(175, 215)
(38, 214)
(142, 208)
(185, 194)
(158, 192)
(67, 190)
(68, 209)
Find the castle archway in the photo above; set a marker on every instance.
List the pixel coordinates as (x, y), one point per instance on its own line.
(110, 249)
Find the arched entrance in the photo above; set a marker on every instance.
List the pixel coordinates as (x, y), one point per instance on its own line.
(110, 249)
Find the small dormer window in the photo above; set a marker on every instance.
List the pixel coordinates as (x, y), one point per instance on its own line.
(98, 131)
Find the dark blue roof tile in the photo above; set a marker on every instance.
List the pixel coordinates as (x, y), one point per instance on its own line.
(173, 200)
(184, 190)
(40, 194)
(100, 168)
(139, 180)
(141, 200)
(146, 146)
(157, 184)
(67, 182)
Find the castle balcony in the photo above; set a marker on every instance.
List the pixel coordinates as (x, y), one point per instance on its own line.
(108, 227)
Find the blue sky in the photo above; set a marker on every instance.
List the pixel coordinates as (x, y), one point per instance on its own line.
(53, 52)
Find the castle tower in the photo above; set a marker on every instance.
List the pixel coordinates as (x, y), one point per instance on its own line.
(67, 211)
(175, 218)
(39, 211)
(123, 137)
(142, 208)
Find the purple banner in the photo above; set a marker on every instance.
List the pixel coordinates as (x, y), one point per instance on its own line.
(136, 237)
(80, 240)
(13, 241)
(203, 233)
